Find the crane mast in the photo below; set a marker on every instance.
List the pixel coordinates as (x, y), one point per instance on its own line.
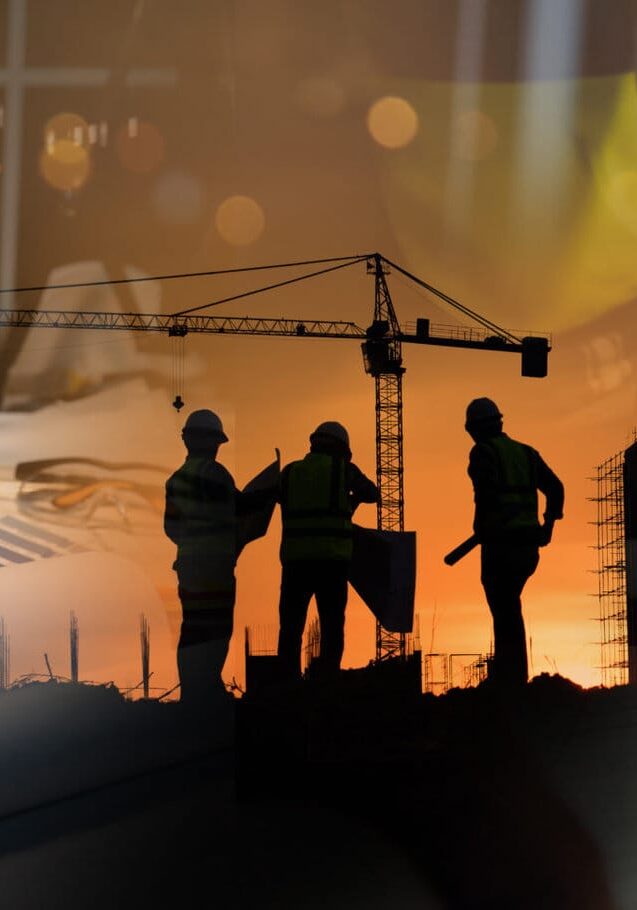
(382, 354)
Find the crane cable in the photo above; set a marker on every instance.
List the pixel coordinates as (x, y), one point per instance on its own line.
(485, 323)
(177, 275)
(178, 339)
(270, 287)
(177, 344)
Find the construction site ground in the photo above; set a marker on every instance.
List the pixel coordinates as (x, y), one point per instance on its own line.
(359, 793)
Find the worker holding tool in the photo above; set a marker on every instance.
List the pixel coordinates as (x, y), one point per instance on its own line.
(506, 476)
(201, 517)
(318, 496)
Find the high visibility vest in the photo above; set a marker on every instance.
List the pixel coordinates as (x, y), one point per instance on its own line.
(315, 510)
(206, 549)
(514, 508)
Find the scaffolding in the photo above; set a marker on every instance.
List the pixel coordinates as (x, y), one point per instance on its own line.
(460, 669)
(611, 570)
(260, 641)
(443, 671)
(477, 671)
(312, 644)
(261, 662)
(435, 671)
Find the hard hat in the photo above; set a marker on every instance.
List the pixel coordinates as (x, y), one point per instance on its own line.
(332, 429)
(205, 421)
(482, 409)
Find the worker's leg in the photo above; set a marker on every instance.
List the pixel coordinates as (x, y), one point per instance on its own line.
(331, 600)
(296, 593)
(505, 571)
(205, 636)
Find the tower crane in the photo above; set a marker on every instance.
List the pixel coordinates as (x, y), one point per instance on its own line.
(381, 344)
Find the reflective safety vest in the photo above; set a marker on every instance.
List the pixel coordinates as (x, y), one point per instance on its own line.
(514, 508)
(315, 509)
(201, 511)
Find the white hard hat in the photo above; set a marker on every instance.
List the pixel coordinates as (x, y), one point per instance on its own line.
(205, 421)
(482, 409)
(332, 429)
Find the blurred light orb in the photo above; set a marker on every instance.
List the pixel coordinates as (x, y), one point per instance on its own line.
(178, 198)
(240, 220)
(320, 96)
(140, 147)
(65, 161)
(392, 122)
(65, 165)
(66, 126)
(474, 136)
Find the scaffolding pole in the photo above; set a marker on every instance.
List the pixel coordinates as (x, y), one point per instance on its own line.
(74, 635)
(144, 634)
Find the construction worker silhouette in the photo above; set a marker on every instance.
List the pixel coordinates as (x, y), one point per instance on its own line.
(318, 496)
(200, 517)
(506, 476)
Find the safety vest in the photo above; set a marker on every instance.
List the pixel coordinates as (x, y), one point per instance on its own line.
(514, 507)
(315, 510)
(206, 521)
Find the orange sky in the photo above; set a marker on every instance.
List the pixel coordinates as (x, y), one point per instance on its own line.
(494, 156)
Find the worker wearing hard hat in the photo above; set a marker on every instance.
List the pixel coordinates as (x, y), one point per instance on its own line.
(318, 496)
(506, 476)
(200, 517)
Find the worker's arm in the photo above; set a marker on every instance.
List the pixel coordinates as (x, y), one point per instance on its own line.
(216, 484)
(172, 523)
(553, 489)
(483, 471)
(359, 487)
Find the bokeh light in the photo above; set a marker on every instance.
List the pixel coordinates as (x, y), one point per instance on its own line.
(240, 220)
(392, 122)
(474, 136)
(65, 165)
(68, 126)
(65, 161)
(140, 146)
(320, 96)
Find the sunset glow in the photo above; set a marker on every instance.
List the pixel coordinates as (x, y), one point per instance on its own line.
(468, 149)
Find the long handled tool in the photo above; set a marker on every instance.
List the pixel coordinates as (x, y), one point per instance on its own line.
(545, 533)
(461, 550)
